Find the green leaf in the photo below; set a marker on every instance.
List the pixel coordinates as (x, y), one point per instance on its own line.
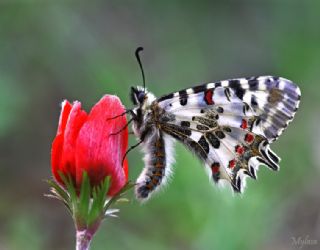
(72, 193)
(88, 205)
(59, 190)
(99, 197)
(84, 199)
(59, 193)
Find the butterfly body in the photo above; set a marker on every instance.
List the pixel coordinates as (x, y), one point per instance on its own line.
(228, 125)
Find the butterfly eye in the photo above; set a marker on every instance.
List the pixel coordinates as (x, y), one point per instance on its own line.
(141, 96)
(137, 96)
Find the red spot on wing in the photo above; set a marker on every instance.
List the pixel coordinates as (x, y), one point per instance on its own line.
(249, 138)
(208, 96)
(244, 124)
(215, 168)
(232, 163)
(239, 149)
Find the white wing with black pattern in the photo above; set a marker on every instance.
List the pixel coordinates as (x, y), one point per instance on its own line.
(230, 124)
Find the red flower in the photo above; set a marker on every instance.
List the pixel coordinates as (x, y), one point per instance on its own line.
(83, 143)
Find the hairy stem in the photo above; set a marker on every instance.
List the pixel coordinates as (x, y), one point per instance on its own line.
(84, 238)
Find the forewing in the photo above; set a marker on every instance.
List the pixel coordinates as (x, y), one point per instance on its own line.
(267, 103)
(230, 124)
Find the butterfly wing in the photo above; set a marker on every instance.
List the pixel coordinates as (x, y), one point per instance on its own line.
(230, 124)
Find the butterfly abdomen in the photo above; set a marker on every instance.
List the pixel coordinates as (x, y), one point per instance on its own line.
(156, 166)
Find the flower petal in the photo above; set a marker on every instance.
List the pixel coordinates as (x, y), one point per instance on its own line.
(57, 144)
(56, 152)
(125, 169)
(64, 115)
(76, 119)
(99, 153)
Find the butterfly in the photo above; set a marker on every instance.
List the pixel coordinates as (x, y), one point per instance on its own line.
(229, 125)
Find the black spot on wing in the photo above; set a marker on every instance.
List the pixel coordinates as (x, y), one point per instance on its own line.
(176, 131)
(235, 85)
(253, 84)
(205, 121)
(197, 149)
(213, 140)
(165, 97)
(252, 172)
(167, 117)
(236, 184)
(220, 134)
(202, 127)
(220, 110)
(274, 157)
(183, 96)
(185, 124)
(182, 130)
(254, 102)
(245, 108)
(257, 121)
(269, 164)
(227, 94)
(204, 144)
(199, 88)
(204, 87)
(227, 129)
(183, 134)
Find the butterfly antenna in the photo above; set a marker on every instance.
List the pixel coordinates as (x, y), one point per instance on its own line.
(141, 68)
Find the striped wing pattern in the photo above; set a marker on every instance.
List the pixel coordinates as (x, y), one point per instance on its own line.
(230, 124)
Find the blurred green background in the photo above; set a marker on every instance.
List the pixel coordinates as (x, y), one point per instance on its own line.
(80, 50)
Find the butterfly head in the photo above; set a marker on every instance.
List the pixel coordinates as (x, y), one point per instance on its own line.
(141, 97)
(137, 95)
